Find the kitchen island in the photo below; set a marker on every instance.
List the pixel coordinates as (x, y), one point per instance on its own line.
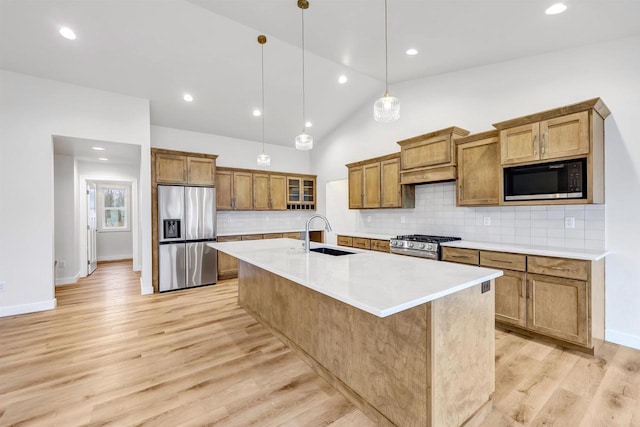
(410, 341)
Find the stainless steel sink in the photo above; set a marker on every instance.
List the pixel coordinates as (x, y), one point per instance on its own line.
(331, 251)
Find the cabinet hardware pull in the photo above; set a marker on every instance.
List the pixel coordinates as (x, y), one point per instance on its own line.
(533, 145)
(499, 260)
(543, 143)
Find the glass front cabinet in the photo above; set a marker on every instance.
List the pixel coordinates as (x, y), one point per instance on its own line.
(301, 193)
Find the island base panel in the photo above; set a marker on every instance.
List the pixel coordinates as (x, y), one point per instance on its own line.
(385, 365)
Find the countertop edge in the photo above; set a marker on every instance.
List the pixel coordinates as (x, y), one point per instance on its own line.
(529, 250)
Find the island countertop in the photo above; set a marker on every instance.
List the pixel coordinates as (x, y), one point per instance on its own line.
(379, 283)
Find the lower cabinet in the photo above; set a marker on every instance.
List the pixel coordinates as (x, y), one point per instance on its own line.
(364, 243)
(552, 297)
(227, 265)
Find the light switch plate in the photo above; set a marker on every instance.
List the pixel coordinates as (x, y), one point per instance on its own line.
(570, 222)
(487, 220)
(403, 219)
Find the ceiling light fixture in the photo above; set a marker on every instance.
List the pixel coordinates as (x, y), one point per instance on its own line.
(67, 33)
(387, 108)
(98, 148)
(104, 159)
(308, 124)
(556, 9)
(257, 113)
(412, 52)
(304, 141)
(263, 159)
(342, 79)
(187, 97)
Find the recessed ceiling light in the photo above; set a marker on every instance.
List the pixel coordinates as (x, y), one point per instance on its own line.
(67, 33)
(187, 97)
(257, 113)
(342, 79)
(412, 51)
(308, 124)
(104, 159)
(98, 148)
(556, 9)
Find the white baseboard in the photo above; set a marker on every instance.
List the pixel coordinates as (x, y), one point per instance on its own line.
(28, 308)
(622, 338)
(115, 258)
(145, 290)
(61, 281)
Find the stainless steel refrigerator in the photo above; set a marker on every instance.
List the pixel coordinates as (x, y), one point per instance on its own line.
(186, 223)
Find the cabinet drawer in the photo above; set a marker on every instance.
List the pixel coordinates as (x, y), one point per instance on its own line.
(559, 267)
(380, 245)
(345, 241)
(359, 242)
(272, 236)
(291, 235)
(503, 260)
(252, 237)
(464, 256)
(229, 239)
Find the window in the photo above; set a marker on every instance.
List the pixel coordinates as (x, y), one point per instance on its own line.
(114, 207)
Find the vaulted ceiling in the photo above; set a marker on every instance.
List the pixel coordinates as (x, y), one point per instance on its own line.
(161, 49)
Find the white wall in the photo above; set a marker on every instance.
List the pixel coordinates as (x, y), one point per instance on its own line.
(65, 184)
(474, 99)
(31, 111)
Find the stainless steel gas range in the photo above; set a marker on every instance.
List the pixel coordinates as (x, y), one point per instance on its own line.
(419, 245)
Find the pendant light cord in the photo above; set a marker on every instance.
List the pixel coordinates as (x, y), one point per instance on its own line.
(303, 98)
(262, 74)
(386, 54)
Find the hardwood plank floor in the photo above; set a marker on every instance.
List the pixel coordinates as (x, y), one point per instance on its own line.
(108, 355)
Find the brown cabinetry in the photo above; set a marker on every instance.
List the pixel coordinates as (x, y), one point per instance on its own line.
(301, 192)
(552, 297)
(479, 169)
(375, 183)
(227, 265)
(234, 190)
(364, 243)
(430, 157)
(269, 192)
(177, 167)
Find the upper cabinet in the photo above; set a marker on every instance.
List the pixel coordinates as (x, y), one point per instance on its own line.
(245, 189)
(375, 183)
(564, 132)
(479, 169)
(430, 157)
(177, 167)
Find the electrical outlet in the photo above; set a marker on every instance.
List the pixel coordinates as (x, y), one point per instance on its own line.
(486, 287)
(487, 220)
(570, 222)
(368, 218)
(62, 264)
(2, 286)
(403, 219)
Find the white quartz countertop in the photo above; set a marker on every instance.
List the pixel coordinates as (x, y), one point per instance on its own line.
(244, 233)
(367, 235)
(589, 255)
(379, 283)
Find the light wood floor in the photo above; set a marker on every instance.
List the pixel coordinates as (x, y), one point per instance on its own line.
(108, 355)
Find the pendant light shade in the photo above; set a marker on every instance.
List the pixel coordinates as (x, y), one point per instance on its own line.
(263, 158)
(304, 141)
(387, 108)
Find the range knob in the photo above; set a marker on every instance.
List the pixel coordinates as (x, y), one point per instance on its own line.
(410, 244)
(394, 242)
(421, 245)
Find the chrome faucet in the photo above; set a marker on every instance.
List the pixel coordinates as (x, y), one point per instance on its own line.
(327, 227)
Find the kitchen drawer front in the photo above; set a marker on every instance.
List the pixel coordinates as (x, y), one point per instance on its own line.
(503, 260)
(345, 241)
(559, 267)
(359, 242)
(252, 237)
(222, 239)
(272, 236)
(463, 256)
(291, 235)
(380, 245)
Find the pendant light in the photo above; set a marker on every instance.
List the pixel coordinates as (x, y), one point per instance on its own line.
(263, 159)
(387, 108)
(304, 141)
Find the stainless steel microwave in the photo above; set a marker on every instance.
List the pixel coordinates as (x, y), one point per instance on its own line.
(546, 181)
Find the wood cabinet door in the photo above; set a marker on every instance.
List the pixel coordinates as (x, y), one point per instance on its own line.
(565, 136)
(278, 192)
(345, 241)
(390, 184)
(429, 152)
(224, 190)
(201, 171)
(380, 245)
(261, 194)
(461, 255)
(294, 190)
(520, 144)
(242, 190)
(361, 242)
(479, 173)
(356, 187)
(558, 308)
(371, 174)
(171, 169)
(511, 293)
(227, 265)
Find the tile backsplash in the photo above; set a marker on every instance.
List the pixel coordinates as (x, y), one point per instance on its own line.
(436, 213)
(243, 222)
